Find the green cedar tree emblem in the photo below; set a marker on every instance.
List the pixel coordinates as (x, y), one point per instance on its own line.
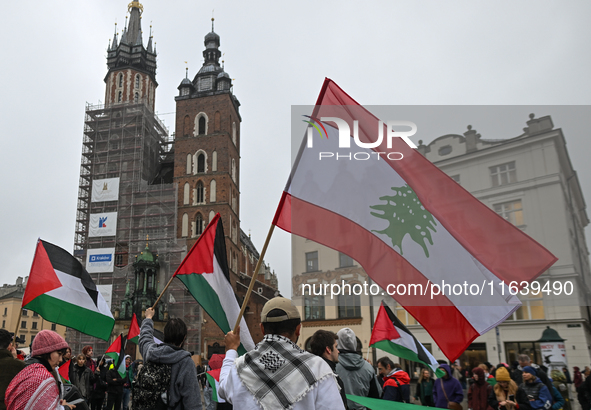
(407, 216)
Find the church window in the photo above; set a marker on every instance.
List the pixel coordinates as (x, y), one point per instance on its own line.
(137, 81)
(200, 193)
(202, 126)
(189, 165)
(214, 161)
(234, 133)
(185, 226)
(198, 224)
(211, 215)
(136, 98)
(119, 96)
(212, 191)
(201, 163)
(234, 170)
(186, 193)
(120, 80)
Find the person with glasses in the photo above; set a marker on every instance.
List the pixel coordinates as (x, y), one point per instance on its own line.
(37, 386)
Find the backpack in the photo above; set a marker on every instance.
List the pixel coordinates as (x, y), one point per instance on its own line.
(150, 387)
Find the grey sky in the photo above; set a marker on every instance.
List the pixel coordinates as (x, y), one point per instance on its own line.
(381, 52)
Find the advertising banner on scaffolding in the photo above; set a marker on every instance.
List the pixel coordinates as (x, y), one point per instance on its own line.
(104, 224)
(107, 292)
(100, 260)
(105, 190)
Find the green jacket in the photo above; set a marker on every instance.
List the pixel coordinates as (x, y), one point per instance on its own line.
(10, 368)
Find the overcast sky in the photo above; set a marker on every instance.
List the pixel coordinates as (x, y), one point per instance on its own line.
(381, 52)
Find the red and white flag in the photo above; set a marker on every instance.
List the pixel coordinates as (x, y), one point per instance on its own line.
(406, 223)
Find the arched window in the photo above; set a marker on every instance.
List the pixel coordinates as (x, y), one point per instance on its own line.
(214, 161)
(234, 170)
(186, 193)
(202, 126)
(137, 81)
(198, 224)
(136, 98)
(234, 133)
(185, 226)
(211, 215)
(201, 163)
(119, 96)
(212, 191)
(189, 163)
(120, 80)
(199, 193)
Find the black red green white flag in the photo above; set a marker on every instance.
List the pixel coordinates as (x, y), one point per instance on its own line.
(134, 331)
(117, 352)
(62, 291)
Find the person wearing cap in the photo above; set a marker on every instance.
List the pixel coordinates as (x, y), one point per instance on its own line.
(37, 386)
(277, 374)
(358, 375)
(506, 395)
(537, 393)
(8, 363)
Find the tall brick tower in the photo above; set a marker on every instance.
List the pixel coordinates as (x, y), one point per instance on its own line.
(207, 152)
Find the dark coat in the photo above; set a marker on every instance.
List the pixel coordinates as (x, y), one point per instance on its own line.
(333, 366)
(82, 381)
(452, 387)
(479, 391)
(114, 382)
(10, 368)
(520, 398)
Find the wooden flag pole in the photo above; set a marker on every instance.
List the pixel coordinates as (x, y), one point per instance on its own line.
(253, 279)
(18, 321)
(162, 293)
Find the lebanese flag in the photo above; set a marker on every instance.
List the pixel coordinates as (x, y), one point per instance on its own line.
(213, 377)
(407, 223)
(390, 335)
(134, 331)
(60, 290)
(117, 352)
(64, 371)
(205, 273)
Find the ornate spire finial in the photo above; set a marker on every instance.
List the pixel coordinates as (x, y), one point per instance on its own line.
(212, 19)
(147, 240)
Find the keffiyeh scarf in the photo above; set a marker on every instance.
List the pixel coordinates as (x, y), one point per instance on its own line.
(278, 373)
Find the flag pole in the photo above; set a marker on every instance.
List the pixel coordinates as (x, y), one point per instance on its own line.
(162, 293)
(253, 279)
(18, 321)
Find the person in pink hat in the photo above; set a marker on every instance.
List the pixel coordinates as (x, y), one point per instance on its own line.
(37, 386)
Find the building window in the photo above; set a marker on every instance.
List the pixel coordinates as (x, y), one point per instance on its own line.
(5, 311)
(503, 174)
(23, 324)
(349, 306)
(186, 193)
(404, 316)
(199, 193)
(202, 125)
(211, 215)
(234, 170)
(456, 178)
(212, 191)
(511, 211)
(53, 327)
(345, 260)
(119, 96)
(185, 226)
(312, 261)
(25, 312)
(136, 98)
(234, 133)
(120, 80)
(201, 163)
(532, 349)
(445, 150)
(32, 338)
(3, 324)
(214, 161)
(189, 163)
(198, 224)
(34, 325)
(532, 308)
(314, 308)
(35, 314)
(137, 81)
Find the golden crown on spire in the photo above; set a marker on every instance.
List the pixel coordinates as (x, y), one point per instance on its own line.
(135, 4)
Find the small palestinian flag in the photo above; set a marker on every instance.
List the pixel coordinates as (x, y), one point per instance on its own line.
(60, 290)
(213, 377)
(64, 371)
(134, 331)
(390, 335)
(117, 352)
(205, 273)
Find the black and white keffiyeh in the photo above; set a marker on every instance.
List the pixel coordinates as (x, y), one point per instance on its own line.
(278, 373)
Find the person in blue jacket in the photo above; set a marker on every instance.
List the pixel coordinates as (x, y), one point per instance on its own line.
(538, 394)
(453, 389)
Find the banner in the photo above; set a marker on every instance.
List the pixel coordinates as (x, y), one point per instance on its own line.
(105, 190)
(106, 291)
(553, 354)
(103, 224)
(100, 260)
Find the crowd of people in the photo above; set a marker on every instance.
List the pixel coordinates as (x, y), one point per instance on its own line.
(276, 374)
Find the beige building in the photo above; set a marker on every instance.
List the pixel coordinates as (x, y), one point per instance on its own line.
(529, 180)
(30, 323)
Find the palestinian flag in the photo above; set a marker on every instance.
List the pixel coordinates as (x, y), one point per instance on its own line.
(134, 331)
(390, 335)
(117, 352)
(205, 273)
(64, 371)
(213, 377)
(60, 290)
(364, 191)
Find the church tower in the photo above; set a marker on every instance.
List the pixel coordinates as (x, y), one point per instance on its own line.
(132, 67)
(207, 152)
